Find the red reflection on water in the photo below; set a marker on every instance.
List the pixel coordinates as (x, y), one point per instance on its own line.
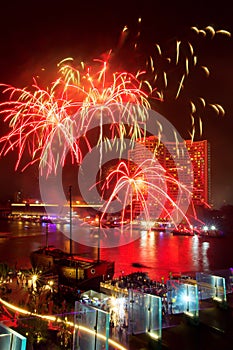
(155, 253)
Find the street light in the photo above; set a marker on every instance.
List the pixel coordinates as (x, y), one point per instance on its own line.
(70, 200)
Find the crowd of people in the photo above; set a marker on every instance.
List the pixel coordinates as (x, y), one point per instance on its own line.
(140, 282)
(120, 325)
(39, 298)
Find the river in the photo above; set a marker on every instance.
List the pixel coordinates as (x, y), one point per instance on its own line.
(159, 253)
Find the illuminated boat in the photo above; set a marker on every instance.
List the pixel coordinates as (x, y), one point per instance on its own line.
(211, 233)
(182, 232)
(72, 269)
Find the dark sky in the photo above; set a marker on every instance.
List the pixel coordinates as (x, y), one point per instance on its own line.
(35, 34)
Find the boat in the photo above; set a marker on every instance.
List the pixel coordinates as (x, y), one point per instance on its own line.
(211, 233)
(84, 273)
(72, 269)
(182, 232)
(45, 258)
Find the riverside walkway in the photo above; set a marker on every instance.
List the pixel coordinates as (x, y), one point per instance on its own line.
(213, 330)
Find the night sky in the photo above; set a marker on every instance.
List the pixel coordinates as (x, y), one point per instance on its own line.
(38, 34)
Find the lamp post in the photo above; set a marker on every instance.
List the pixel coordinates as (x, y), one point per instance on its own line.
(96, 329)
(47, 234)
(187, 298)
(70, 200)
(98, 248)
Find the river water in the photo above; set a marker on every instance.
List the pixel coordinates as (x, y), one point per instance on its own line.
(159, 253)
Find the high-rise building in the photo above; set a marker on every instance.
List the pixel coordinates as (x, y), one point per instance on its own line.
(199, 152)
(197, 160)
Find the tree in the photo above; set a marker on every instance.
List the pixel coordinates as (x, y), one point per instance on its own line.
(4, 269)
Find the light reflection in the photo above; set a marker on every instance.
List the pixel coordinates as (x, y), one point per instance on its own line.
(144, 239)
(195, 250)
(205, 260)
(151, 237)
(53, 318)
(147, 241)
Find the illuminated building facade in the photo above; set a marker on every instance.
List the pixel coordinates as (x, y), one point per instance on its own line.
(199, 152)
(198, 156)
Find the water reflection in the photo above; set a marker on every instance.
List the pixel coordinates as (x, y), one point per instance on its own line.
(160, 253)
(195, 251)
(205, 261)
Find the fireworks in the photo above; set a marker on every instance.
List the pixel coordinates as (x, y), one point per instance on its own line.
(37, 118)
(89, 95)
(143, 192)
(48, 124)
(174, 70)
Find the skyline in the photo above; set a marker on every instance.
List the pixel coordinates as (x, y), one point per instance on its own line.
(34, 41)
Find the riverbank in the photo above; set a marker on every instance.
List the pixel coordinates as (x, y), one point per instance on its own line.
(212, 330)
